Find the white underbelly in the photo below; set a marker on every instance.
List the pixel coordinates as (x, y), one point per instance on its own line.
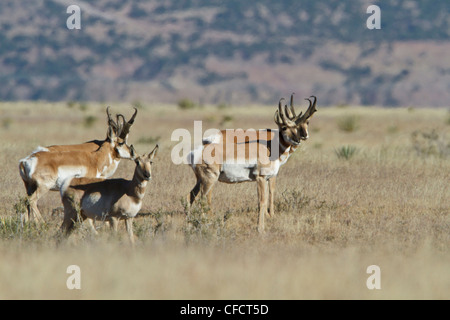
(234, 173)
(95, 206)
(65, 172)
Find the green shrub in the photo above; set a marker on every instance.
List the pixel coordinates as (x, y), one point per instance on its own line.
(430, 144)
(348, 123)
(89, 121)
(346, 152)
(185, 104)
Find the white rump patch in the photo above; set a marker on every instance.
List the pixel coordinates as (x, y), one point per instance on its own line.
(216, 138)
(195, 156)
(39, 149)
(29, 166)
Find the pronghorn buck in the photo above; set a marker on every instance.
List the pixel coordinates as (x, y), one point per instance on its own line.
(121, 129)
(107, 200)
(47, 168)
(237, 156)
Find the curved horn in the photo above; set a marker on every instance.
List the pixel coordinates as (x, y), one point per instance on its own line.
(120, 124)
(127, 124)
(133, 116)
(310, 111)
(111, 123)
(108, 114)
(277, 118)
(280, 111)
(312, 107)
(285, 115)
(292, 106)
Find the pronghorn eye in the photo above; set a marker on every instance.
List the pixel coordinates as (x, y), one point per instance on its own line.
(284, 128)
(307, 122)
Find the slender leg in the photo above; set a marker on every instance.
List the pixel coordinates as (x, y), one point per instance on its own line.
(194, 193)
(114, 223)
(33, 211)
(70, 216)
(272, 182)
(91, 226)
(206, 188)
(206, 177)
(262, 183)
(209, 195)
(129, 225)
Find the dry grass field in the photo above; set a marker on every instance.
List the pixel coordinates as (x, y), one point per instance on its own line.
(370, 187)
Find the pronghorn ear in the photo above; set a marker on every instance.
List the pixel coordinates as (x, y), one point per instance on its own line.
(152, 154)
(132, 153)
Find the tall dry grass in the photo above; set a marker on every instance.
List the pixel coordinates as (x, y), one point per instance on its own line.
(388, 204)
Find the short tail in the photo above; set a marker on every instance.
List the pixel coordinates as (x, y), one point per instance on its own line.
(23, 170)
(30, 184)
(195, 157)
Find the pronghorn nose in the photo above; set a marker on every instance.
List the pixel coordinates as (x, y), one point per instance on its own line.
(146, 175)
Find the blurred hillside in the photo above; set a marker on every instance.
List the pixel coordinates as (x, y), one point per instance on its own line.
(233, 51)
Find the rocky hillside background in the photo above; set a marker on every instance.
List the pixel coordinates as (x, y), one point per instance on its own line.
(232, 51)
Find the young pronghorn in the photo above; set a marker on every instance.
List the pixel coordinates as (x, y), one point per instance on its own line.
(107, 200)
(46, 168)
(240, 158)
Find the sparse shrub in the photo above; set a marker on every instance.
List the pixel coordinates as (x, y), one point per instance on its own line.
(83, 106)
(346, 152)
(430, 144)
(292, 200)
(14, 227)
(89, 121)
(149, 140)
(6, 123)
(348, 123)
(20, 207)
(71, 104)
(201, 224)
(392, 129)
(226, 119)
(186, 104)
(152, 224)
(222, 106)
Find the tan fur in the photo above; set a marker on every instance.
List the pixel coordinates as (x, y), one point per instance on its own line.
(110, 200)
(46, 168)
(259, 154)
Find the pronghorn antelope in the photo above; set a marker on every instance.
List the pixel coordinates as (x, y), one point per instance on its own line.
(233, 160)
(121, 129)
(46, 168)
(110, 200)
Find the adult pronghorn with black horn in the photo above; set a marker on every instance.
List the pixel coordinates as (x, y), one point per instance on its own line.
(237, 156)
(46, 168)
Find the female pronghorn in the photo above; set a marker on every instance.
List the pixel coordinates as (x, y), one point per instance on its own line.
(46, 168)
(111, 200)
(250, 157)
